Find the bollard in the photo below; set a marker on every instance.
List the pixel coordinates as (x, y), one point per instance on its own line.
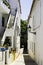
(13, 52)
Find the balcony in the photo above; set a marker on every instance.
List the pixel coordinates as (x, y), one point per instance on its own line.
(6, 3)
(4, 7)
(11, 25)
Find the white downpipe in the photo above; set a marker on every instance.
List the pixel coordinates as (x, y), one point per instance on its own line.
(9, 21)
(15, 20)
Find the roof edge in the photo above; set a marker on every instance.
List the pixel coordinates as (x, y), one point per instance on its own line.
(19, 5)
(31, 9)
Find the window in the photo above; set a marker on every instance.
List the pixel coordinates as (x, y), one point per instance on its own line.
(3, 20)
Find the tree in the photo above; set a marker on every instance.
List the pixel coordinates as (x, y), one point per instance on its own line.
(23, 26)
(23, 33)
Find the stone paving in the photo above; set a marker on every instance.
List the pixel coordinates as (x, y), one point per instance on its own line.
(22, 59)
(19, 60)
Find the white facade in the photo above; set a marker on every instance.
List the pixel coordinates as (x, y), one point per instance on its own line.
(11, 26)
(14, 31)
(37, 15)
(4, 11)
(14, 6)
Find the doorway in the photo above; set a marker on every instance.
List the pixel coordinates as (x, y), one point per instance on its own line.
(23, 44)
(3, 20)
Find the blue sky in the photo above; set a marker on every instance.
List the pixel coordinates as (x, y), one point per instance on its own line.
(25, 8)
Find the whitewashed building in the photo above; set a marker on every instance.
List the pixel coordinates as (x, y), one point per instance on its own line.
(10, 25)
(4, 11)
(35, 31)
(13, 25)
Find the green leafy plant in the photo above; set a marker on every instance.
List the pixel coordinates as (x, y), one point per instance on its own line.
(23, 26)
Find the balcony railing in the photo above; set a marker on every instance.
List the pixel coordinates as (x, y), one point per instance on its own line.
(6, 3)
(10, 26)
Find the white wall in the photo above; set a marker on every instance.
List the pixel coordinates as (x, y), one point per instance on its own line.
(37, 14)
(31, 44)
(12, 32)
(0, 22)
(17, 33)
(13, 7)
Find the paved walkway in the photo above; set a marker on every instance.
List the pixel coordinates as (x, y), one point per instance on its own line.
(24, 60)
(28, 60)
(19, 60)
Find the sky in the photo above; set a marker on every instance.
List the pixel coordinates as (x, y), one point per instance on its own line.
(25, 8)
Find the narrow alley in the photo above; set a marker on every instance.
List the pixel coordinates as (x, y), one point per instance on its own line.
(21, 32)
(24, 59)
